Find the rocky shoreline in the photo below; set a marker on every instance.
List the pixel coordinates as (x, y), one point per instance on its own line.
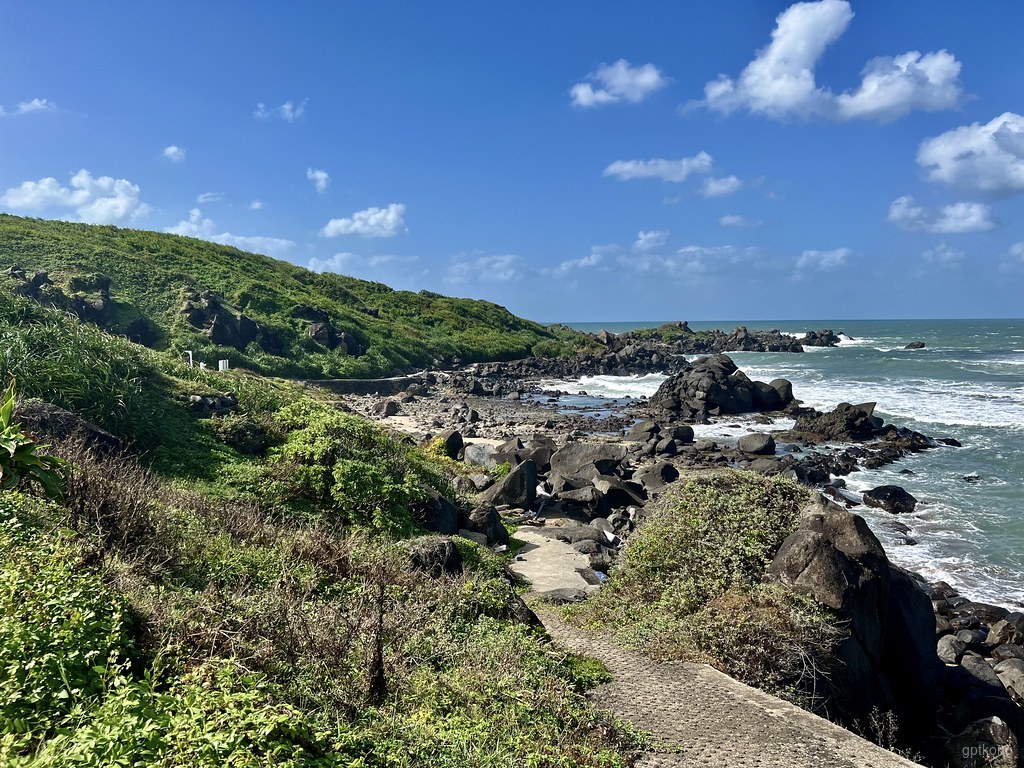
(583, 480)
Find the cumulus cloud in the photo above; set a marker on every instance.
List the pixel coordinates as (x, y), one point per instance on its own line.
(371, 222)
(659, 168)
(204, 229)
(475, 268)
(360, 266)
(720, 187)
(613, 83)
(594, 259)
(823, 261)
(28, 107)
(985, 158)
(650, 241)
(736, 220)
(952, 219)
(779, 83)
(257, 205)
(210, 197)
(944, 257)
(103, 200)
(289, 111)
(1014, 261)
(174, 153)
(320, 178)
(691, 261)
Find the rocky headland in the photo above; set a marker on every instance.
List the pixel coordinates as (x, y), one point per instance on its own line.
(951, 669)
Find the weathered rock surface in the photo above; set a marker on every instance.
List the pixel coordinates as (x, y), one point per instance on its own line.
(891, 498)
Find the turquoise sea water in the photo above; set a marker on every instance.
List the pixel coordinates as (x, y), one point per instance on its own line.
(967, 383)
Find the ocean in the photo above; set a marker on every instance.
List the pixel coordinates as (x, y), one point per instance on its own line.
(967, 383)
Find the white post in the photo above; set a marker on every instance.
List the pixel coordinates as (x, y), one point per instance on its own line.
(222, 365)
(190, 362)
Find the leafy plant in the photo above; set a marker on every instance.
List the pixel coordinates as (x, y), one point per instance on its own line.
(20, 461)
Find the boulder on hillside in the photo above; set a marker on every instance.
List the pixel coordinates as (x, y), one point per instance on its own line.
(486, 521)
(435, 555)
(46, 420)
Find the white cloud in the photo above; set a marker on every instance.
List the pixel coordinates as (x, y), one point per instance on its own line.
(210, 197)
(471, 268)
(28, 107)
(691, 261)
(372, 222)
(895, 85)
(103, 200)
(289, 111)
(720, 187)
(352, 264)
(257, 205)
(736, 220)
(963, 217)
(319, 177)
(1014, 261)
(944, 257)
(823, 261)
(204, 229)
(650, 241)
(659, 168)
(779, 83)
(617, 82)
(952, 219)
(594, 259)
(174, 153)
(985, 158)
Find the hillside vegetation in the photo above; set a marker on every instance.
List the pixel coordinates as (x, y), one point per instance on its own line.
(169, 291)
(252, 589)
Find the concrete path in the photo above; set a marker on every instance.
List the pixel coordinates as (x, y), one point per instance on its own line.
(701, 717)
(549, 564)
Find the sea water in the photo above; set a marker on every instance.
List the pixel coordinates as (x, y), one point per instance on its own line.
(967, 383)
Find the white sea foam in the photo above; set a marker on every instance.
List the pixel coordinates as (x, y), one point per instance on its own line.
(611, 386)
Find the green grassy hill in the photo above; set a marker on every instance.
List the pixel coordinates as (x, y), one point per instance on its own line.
(167, 291)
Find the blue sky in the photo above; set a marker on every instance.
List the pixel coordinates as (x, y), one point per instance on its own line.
(571, 161)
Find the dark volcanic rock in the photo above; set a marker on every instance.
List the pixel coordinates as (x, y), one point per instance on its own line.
(517, 489)
(757, 443)
(891, 498)
(845, 422)
(714, 386)
(435, 555)
(915, 345)
(47, 420)
(587, 460)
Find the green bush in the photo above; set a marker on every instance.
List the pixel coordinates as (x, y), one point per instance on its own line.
(356, 469)
(63, 636)
(690, 585)
(20, 461)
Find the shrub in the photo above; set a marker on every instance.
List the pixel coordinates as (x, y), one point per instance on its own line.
(690, 586)
(62, 633)
(20, 461)
(355, 468)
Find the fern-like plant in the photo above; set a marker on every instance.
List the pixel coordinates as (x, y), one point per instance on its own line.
(20, 462)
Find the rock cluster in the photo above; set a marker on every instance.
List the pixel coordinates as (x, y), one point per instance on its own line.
(206, 406)
(224, 326)
(981, 647)
(323, 332)
(712, 386)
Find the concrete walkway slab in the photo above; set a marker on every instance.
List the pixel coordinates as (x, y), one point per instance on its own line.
(701, 717)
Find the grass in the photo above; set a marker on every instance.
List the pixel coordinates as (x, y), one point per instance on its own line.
(690, 586)
(234, 591)
(150, 273)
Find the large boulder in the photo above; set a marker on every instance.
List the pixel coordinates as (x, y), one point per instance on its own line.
(845, 422)
(891, 498)
(436, 555)
(49, 421)
(587, 460)
(757, 443)
(486, 521)
(888, 658)
(714, 386)
(517, 489)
